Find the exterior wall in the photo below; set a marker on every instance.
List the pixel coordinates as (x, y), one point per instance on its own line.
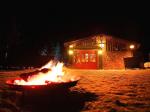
(114, 50)
(115, 59)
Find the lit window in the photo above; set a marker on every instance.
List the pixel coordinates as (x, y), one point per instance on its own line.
(78, 58)
(74, 58)
(86, 57)
(92, 58)
(83, 58)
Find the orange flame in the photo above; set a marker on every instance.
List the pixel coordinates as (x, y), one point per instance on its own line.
(55, 74)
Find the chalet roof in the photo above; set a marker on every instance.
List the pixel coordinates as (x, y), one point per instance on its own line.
(101, 35)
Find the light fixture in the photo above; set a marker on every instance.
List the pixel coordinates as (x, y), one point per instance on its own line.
(70, 52)
(100, 52)
(101, 45)
(132, 46)
(70, 46)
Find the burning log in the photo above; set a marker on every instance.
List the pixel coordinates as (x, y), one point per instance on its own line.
(25, 76)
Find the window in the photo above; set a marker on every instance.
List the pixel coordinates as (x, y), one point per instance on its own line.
(86, 57)
(78, 58)
(83, 58)
(92, 57)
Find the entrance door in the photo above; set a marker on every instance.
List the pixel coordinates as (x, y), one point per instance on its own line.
(86, 59)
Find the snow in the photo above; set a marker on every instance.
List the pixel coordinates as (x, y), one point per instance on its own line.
(102, 90)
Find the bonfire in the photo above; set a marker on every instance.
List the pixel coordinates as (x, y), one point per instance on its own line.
(49, 74)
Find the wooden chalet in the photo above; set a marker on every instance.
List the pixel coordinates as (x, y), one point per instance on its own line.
(99, 52)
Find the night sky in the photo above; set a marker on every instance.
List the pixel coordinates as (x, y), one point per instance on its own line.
(32, 27)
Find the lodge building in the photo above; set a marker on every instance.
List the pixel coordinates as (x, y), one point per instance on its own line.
(100, 52)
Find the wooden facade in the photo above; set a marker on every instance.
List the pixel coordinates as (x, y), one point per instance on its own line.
(99, 52)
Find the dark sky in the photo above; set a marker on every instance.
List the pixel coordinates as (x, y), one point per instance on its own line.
(24, 29)
(63, 22)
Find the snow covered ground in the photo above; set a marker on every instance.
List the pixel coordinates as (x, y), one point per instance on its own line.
(96, 91)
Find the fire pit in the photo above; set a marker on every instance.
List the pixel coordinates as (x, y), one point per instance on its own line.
(47, 78)
(49, 87)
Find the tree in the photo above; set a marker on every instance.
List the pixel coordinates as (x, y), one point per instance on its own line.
(57, 52)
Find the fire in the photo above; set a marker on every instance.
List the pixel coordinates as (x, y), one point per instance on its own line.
(54, 73)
